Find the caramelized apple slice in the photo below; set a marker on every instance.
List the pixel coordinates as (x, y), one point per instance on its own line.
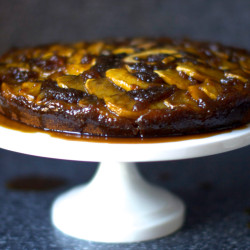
(172, 77)
(71, 81)
(76, 69)
(220, 54)
(196, 93)
(126, 50)
(101, 88)
(95, 48)
(117, 101)
(20, 66)
(122, 105)
(212, 89)
(200, 72)
(31, 88)
(123, 79)
(168, 59)
(77, 56)
(144, 54)
(146, 45)
(238, 74)
(10, 91)
(226, 65)
(181, 98)
(158, 105)
(61, 50)
(245, 64)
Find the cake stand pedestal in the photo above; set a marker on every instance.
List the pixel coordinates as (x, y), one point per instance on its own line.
(118, 205)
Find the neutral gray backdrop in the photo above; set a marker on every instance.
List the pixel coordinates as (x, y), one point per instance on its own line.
(30, 22)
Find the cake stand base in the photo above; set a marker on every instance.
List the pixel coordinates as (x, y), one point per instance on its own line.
(118, 206)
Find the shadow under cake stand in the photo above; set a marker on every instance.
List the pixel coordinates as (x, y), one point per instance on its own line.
(118, 205)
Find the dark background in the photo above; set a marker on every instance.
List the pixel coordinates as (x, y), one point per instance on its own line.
(31, 22)
(215, 188)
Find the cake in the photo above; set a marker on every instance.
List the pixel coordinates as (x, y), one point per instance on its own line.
(127, 87)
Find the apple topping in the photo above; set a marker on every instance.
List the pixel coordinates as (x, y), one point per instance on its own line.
(71, 81)
(212, 89)
(144, 54)
(172, 77)
(200, 72)
(123, 79)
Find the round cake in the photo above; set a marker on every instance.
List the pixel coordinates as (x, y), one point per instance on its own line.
(127, 87)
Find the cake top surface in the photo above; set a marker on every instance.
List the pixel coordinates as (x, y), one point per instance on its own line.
(128, 76)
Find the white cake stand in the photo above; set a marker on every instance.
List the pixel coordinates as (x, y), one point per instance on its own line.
(118, 205)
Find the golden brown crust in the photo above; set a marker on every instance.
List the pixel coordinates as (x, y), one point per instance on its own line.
(127, 88)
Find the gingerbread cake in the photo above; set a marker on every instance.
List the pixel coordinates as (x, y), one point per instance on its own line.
(127, 87)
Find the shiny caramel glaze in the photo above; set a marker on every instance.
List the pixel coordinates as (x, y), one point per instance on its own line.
(127, 87)
(14, 125)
